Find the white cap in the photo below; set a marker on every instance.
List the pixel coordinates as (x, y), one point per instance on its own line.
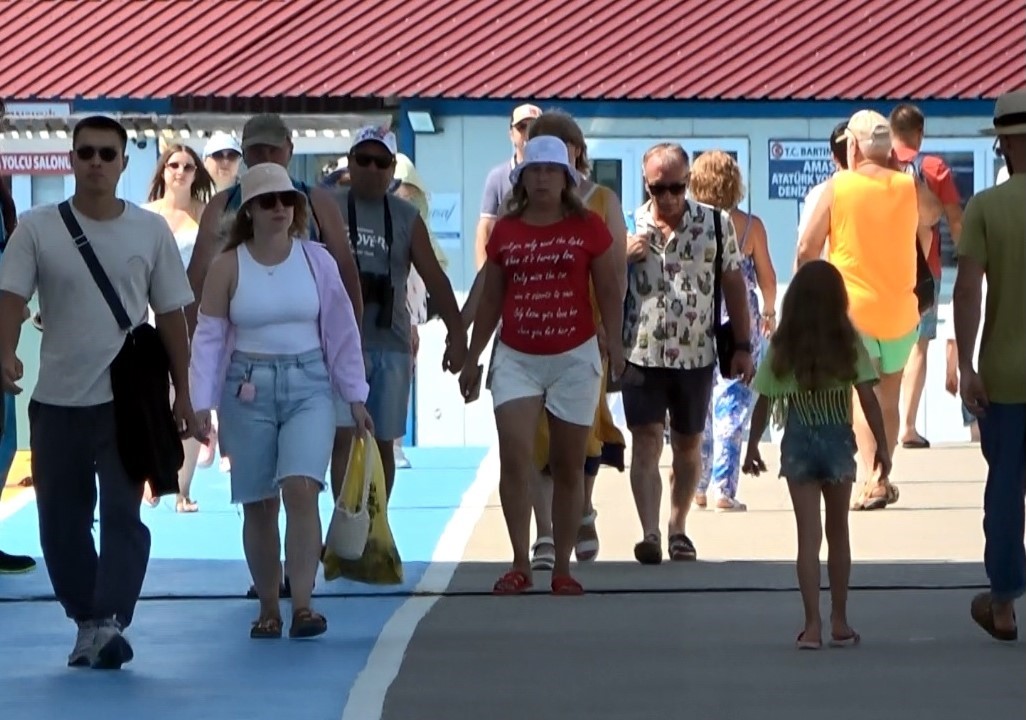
(220, 141)
(378, 135)
(542, 150)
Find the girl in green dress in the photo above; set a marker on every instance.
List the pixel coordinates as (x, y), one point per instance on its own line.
(806, 382)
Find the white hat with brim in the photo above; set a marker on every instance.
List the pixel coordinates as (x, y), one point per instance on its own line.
(545, 150)
(267, 178)
(1009, 115)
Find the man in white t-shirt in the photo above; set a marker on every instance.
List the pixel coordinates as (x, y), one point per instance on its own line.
(71, 414)
(838, 152)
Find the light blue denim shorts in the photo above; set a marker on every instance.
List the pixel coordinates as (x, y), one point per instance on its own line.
(286, 430)
(390, 376)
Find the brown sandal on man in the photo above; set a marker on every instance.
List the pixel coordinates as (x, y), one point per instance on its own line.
(982, 611)
(268, 628)
(307, 624)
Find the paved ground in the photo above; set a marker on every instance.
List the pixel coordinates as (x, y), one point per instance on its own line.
(714, 640)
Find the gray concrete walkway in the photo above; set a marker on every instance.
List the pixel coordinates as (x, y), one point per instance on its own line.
(714, 640)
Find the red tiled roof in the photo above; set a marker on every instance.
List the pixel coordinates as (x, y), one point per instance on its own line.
(545, 49)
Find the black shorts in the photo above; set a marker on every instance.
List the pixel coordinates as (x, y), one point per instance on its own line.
(649, 393)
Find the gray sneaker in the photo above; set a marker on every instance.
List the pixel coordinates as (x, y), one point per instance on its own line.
(110, 649)
(82, 655)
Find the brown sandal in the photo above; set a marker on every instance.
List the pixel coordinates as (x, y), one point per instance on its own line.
(266, 629)
(868, 498)
(307, 624)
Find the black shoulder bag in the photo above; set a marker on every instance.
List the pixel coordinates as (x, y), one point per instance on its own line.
(147, 439)
(723, 332)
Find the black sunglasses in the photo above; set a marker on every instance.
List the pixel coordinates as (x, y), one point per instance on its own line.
(269, 201)
(187, 167)
(87, 152)
(672, 188)
(381, 163)
(225, 155)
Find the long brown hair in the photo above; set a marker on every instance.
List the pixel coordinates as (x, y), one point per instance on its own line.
(815, 339)
(202, 184)
(241, 229)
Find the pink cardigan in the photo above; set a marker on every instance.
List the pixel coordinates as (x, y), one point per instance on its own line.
(214, 340)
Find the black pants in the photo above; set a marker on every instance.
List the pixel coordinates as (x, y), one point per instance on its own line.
(71, 446)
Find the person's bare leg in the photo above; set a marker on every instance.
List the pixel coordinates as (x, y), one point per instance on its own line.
(566, 460)
(541, 501)
(836, 498)
(340, 458)
(387, 464)
(261, 542)
(191, 448)
(302, 537)
(515, 423)
(687, 467)
(589, 491)
(912, 383)
(646, 482)
(805, 501)
(887, 392)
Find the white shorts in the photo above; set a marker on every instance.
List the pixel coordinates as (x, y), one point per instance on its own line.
(570, 382)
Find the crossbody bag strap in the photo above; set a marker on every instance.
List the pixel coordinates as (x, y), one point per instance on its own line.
(95, 268)
(718, 268)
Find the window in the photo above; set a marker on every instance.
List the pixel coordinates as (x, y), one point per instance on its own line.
(47, 189)
(609, 173)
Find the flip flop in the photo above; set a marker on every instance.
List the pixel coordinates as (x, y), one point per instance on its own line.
(807, 644)
(918, 444)
(846, 641)
(982, 612)
(587, 547)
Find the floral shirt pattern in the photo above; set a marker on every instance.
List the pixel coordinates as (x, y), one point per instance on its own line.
(668, 313)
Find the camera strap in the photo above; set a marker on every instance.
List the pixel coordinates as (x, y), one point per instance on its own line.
(354, 234)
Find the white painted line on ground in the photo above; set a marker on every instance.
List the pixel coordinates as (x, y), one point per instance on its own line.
(14, 504)
(366, 699)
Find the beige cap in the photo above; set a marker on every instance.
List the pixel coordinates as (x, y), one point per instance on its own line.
(267, 178)
(524, 112)
(869, 129)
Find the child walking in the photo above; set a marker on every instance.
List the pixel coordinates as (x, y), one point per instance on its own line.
(815, 359)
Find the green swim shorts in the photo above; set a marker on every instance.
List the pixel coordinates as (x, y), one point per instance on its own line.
(891, 355)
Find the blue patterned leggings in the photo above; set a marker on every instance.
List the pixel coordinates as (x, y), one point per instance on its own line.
(723, 439)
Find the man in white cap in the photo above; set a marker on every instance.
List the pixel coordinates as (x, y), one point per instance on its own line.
(497, 184)
(221, 157)
(992, 248)
(388, 235)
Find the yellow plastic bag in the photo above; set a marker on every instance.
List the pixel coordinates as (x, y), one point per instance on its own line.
(380, 564)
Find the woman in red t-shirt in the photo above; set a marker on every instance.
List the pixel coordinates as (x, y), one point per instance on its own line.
(541, 257)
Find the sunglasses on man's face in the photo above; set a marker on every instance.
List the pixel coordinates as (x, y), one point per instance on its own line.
(222, 155)
(186, 167)
(661, 189)
(270, 201)
(88, 152)
(523, 126)
(381, 163)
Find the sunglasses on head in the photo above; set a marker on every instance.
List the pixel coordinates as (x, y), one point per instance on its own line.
(381, 163)
(269, 201)
(187, 167)
(660, 189)
(88, 152)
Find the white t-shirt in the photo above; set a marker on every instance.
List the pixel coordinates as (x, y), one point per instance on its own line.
(81, 337)
(946, 329)
(811, 200)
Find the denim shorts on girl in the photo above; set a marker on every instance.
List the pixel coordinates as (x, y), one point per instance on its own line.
(821, 453)
(277, 420)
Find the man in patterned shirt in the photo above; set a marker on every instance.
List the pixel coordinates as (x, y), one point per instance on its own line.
(668, 341)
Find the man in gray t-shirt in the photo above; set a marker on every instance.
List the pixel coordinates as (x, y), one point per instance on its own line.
(497, 185)
(387, 236)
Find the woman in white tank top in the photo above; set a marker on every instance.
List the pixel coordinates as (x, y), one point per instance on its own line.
(275, 336)
(179, 192)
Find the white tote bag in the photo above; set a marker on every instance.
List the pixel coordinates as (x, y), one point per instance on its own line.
(350, 528)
